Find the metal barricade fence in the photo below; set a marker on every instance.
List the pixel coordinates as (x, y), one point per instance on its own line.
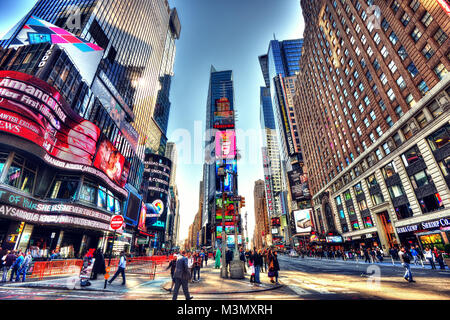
(58, 268)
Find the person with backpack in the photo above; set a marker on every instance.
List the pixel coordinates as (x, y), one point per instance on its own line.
(16, 266)
(405, 258)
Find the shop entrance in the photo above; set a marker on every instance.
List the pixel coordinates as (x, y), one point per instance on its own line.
(388, 228)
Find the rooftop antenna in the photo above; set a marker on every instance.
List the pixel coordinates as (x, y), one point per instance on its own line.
(274, 38)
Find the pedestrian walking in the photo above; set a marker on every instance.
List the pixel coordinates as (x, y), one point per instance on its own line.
(242, 258)
(367, 255)
(121, 268)
(379, 254)
(182, 277)
(197, 266)
(16, 266)
(202, 256)
(190, 259)
(430, 258)
(228, 259)
(24, 267)
(8, 262)
(172, 266)
(258, 261)
(251, 271)
(218, 256)
(405, 258)
(99, 264)
(274, 266)
(437, 254)
(415, 255)
(206, 258)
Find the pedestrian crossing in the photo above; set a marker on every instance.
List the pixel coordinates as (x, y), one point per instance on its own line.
(303, 288)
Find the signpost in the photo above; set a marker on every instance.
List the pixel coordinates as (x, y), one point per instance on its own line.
(115, 224)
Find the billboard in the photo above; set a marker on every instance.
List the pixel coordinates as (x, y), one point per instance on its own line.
(142, 218)
(110, 161)
(229, 209)
(225, 144)
(223, 120)
(132, 207)
(32, 109)
(85, 55)
(298, 182)
(303, 220)
(229, 229)
(230, 239)
(227, 185)
(334, 239)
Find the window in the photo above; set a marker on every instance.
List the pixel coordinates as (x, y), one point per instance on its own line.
(440, 36)
(439, 138)
(379, 131)
(384, 52)
(378, 154)
(384, 24)
(411, 156)
(381, 102)
(377, 38)
(420, 179)
(389, 121)
(368, 223)
(401, 83)
(435, 109)
(372, 137)
(412, 69)
(397, 139)
(415, 4)
(21, 174)
(426, 19)
(369, 51)
(392, 66)
(405, 19)
(386, 148)
(383, 78)
(407, 133)
(421, 120)
(366, 122)
(403, 211)
(422, 86)
(362, 205)
(410, 100)
(389, 170)
(101, 197)
(355, 225)
(358, 189)
(377, 198)
(393, 38)
(391, 94)
(88, 192)
(338, 200)
(431, 203)
(428, 51)
(65, 187)
(372, 115)
(402, 53)
(416, 34)
(396, 191)
(395, 5)
(398, 110)
(440, 71)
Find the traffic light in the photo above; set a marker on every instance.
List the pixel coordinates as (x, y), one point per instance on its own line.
(242, 202)
(20, 228)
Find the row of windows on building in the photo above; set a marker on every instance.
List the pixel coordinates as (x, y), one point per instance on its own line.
(419, 176)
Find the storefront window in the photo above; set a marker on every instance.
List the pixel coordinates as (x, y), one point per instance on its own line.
(432, 240)
(101, 199)
(377, 198)
(431, 203)
(389, 170)
(88, 192)
(355, 225)
(439, 138)
(368, 223)
(420, 179)
(403, 211)
(347, 195)
(21, 174)
(338, 200)
(411, 156)
(65, 187)
(362, 205)
(396, 191)
(358, 188)
(372, 181)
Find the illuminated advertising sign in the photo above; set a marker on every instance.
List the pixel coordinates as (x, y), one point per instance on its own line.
(229, 209)
(33, 110)
(224, 116)
(298, 182)
(276, 222)
(142, 218)
(225, 144)
(230, 170)
(303, 220)
(229, 229)
(110, 161)
(155, 209)
(334, 239)
(132, 206)
(230, 239)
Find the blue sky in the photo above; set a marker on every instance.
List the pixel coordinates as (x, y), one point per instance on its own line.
(229, 34)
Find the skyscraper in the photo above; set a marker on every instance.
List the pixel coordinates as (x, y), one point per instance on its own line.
(220, 154)
(372, 99)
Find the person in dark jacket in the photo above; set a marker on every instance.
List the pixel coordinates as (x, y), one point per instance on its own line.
(172, 266)
(182, 276)
(258, 262)
(8, 261)
(242, 258)
(99, 264)
(228, 259)
(274, 266)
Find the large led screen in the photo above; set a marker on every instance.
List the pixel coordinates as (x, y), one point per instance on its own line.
(110, 161)
(225, 144)
(227, 183)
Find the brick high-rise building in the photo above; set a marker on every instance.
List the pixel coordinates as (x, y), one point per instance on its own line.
(261, 235)
(372, 100)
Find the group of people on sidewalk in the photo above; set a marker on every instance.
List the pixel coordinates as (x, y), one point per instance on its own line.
(15, 262)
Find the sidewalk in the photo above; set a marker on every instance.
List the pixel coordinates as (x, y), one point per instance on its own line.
(386, 262)
(212, 283)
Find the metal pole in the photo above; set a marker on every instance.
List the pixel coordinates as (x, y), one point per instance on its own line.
(110, 254)
(224, 271)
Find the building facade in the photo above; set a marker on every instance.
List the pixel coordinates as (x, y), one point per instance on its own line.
(372, 100)
(262, 236)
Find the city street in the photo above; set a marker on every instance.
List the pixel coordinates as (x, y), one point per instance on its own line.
(300, 279)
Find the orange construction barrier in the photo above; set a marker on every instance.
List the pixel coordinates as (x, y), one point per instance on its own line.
(56, 268)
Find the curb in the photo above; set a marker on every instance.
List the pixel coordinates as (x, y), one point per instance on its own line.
(42, 286)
